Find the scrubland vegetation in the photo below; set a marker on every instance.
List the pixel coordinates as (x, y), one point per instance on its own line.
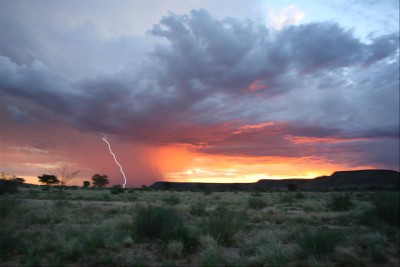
(129, 227)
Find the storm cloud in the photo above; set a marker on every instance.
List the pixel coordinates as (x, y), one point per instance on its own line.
(203, 80)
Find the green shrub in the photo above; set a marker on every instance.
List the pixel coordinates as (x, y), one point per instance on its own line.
(211, 257)
(93, 239)
(172, 200)
(287, 198)
(387, 207)
(340, 202)
(127, 260)
(168, 263)
(117, 189)
(256, 194)
(223, 224)
(164, 224)
(256, 203)
(299, 195)
(174, 249)
(8, 186)
(348, 258)
(132, 198)
(318, 242)
(378, 256)
(139, 260)
(8, 242)
(198, 208)
(70, 250)
(273, 255)
(7, 205)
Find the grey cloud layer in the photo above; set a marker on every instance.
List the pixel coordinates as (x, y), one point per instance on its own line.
(319, 79)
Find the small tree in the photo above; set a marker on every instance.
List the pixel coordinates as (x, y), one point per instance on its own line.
(86, 184)
(100, 180)
(20, 180)
(65, 174)
(8, 184)
(48, 179)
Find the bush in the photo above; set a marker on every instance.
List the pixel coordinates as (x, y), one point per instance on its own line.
(7, 205)
(287, 198)
(318, 242)
(8, 186)
(164, 224)
(271, 254)
(387, 207)
(211, 255)
(8, 242)
(256, 203)
(198, 209)
(174, 249)
(172, 200)
(340, 202)
(117, 189)
(223, 224)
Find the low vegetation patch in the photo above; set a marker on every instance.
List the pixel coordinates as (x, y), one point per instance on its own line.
(165, 224)
(340, 202)
(223, 224)
(387, 206)
(91, 227)
(318, 242)
(198, 208)
(172, 200)
(256, 203)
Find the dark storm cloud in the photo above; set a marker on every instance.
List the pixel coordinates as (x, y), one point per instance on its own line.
(228, 55)
(38, 83)
(20, 116)
(196, 88)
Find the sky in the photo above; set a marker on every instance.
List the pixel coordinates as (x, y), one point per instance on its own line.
(198, 91)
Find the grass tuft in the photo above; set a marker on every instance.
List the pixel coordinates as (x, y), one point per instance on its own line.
(340, 202)
(256, 203)
(223, 224)
(318, 242)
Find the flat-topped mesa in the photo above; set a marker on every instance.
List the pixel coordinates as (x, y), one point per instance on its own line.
(342, 180)
(362, 179)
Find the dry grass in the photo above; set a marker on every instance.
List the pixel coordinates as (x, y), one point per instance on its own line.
(97, 228)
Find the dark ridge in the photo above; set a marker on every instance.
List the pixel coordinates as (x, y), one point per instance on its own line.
(341, 180)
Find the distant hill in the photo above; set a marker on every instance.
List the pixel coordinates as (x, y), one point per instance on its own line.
(354, 179)
(341, 180)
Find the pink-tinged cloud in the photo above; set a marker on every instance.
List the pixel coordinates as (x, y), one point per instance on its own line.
(257, 85)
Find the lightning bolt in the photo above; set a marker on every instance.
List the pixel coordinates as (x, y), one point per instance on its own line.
(116, 161)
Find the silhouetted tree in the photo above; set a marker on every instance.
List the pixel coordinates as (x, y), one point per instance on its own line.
(20, 180)
(48, 179)
(65, 174)
(86, 184)
(8, 184)
(100, 180)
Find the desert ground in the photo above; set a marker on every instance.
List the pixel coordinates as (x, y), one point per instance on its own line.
(103, 227)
